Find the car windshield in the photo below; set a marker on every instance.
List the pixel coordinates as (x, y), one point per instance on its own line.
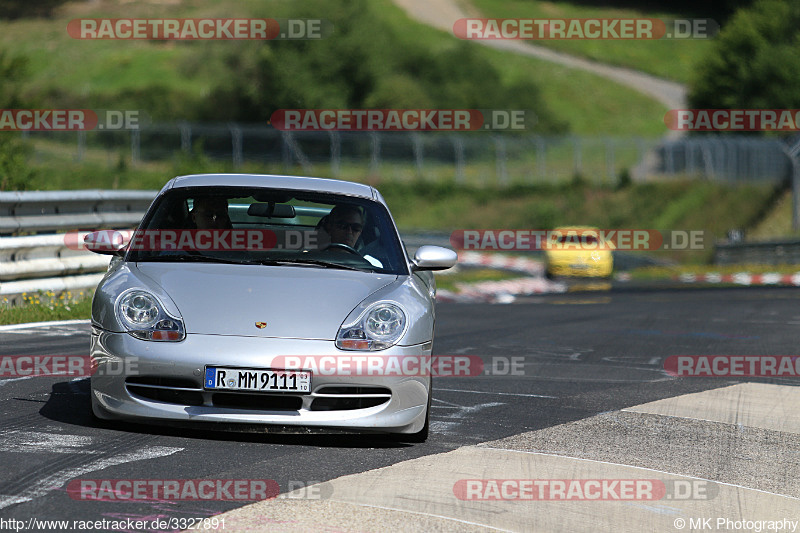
(269, 227)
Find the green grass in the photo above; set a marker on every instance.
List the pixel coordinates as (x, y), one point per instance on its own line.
(589, 104)
(46, 306)
(663, 206)
(158, 77)
(777, 223)
(670, 273)
(666, 58)
(93, 67)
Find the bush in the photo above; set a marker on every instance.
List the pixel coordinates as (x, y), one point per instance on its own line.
(15, 173)
(755, 60)
(365, 66)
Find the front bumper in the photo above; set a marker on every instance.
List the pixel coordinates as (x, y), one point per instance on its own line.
(163, 381)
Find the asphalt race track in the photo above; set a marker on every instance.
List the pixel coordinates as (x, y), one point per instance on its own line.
(579, 406)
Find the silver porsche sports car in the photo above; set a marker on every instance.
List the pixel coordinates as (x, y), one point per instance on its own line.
(257, 299)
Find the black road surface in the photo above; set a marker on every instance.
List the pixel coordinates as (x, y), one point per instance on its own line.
(575, 355)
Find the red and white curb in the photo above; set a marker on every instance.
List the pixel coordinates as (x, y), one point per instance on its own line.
(502, 262)
(743, 278)
(503, 292)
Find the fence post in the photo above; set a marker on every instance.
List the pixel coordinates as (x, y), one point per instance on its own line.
(577, 154)
(458, 148)
(707, 160)
(793, 154)
(417, 148)
(236, 145)
(610, 161)
(81, 145)
(136, 145)
(186, 136)
(500, 154)
(669, 157)
(286, 152)
(541, 157)
(336, 152)
(375, 159)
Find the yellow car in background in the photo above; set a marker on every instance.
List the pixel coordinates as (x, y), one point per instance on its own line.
(577, 252)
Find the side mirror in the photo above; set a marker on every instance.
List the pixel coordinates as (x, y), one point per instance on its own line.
(434, 258)
(107, 242)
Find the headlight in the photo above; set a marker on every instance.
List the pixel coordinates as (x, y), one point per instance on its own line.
(379, 327)
(145, 318)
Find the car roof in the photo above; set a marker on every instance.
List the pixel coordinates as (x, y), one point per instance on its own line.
(303, 183)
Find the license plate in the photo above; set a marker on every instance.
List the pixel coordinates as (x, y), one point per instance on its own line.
(579, 266)
(256, 380)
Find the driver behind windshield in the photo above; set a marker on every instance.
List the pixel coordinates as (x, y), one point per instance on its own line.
(344, 224)
(210, 213)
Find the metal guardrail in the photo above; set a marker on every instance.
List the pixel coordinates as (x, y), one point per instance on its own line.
(49, 211)
(784, 252)
(35, 254)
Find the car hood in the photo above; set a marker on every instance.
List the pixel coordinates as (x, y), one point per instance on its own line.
(293, 302)
(578, 256)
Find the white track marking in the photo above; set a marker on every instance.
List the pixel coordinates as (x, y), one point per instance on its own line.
(41, 442)
(56, 480)
(12, 327)
(639, 467)
(499, 393)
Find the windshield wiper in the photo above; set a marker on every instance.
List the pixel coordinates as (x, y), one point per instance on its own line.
(267, 262)
(195, 259)
(315, 262)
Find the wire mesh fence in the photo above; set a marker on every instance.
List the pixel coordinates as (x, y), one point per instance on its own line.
(478, 158)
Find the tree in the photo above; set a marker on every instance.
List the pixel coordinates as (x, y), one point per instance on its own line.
(366, 65)
(755, 61)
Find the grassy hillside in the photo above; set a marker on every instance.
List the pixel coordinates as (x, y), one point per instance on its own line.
(666, 58)
(175, 79)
